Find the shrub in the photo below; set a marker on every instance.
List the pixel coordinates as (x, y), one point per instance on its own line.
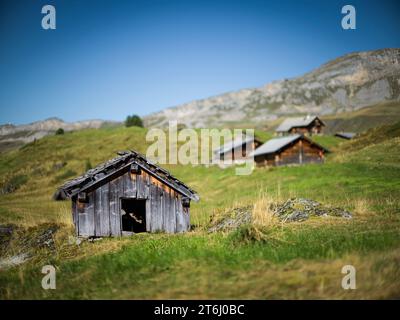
(133, 121)
(13, 184)
(60, 131)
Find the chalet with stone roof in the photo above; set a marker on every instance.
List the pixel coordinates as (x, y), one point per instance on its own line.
(293, 149)
(237, 149)
(307, 125)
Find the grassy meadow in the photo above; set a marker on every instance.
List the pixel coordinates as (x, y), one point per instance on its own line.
(268, 260)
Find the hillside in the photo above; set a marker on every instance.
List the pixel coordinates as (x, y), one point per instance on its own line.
(12, 136)
(385, 113)
(294, 260)
(345, 84)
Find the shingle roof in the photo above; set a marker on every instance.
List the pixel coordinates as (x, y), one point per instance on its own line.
(346, 135)
(108, 170)
(275, 144)
(289, 123)
(227, 147)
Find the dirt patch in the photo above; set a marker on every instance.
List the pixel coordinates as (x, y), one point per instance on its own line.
(13, 261)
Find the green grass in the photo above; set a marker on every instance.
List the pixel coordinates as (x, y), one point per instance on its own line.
(130, 272)
(67, 174)
(374, 136)
(384, 113)
(13, 184)
(298, 260)
(365, 118)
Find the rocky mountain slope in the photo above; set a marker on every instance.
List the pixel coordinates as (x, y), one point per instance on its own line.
(345, 84)
(15, 135)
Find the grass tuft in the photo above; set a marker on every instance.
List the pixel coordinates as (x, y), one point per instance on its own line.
(262, 213)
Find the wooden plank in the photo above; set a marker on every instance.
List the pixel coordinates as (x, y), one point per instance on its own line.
(102, 211)
(182, 217)
(148, 215)
(161, 211)
(153, 208)
(120, 192)
(156, 218)
(129, 186)
(172, 212)
(138, 185)
(141, 186)
(160, 216)
(97, 212)
(164, 211)
(115, 219)
(105, 206)
(75, 217)
(186, 215)
(146, 179)
(86, 217)
(83, 228)
(169, 213)
(133, 177)
(180, 221)
(173, 207)
(90, 212)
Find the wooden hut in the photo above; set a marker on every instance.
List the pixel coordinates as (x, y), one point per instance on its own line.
(294, 149)
(345, 135)
(126, 195)
(307, 125)
(237, 149)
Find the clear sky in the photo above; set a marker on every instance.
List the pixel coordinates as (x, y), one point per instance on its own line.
(108, 59)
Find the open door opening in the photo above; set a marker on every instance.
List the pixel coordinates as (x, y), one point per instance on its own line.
(133, 215)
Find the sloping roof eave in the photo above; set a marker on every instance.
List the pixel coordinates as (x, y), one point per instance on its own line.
(234, 144)
(88, 181)
(299, 122)
(286, 141)
(281, 143)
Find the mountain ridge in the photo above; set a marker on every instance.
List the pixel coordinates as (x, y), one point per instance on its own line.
(12, 136)
(347, 83)
(52, 124)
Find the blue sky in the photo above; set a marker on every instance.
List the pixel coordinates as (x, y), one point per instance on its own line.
(108, 59)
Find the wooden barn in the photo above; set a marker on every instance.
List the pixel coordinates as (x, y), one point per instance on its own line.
(126, 195)
(307, 125)
(237, 149)
(294, 149)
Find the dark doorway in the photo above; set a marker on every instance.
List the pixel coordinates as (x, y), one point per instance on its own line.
(133, 215)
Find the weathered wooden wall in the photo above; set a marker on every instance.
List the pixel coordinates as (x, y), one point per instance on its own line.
(314, 128)
(302, 151)
(265, 160)
(101, 214)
